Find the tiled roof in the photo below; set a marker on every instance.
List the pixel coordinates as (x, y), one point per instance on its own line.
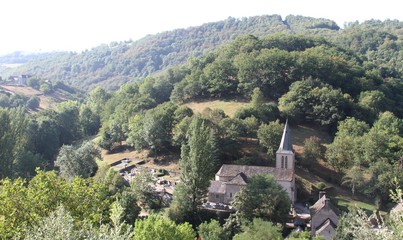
(216, 187)
(228, 170)
(322, 203)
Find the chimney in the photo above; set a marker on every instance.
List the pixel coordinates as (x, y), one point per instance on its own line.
(327, 200)
(321, 194)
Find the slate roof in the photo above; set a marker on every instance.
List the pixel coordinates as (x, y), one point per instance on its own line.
(286, 144)
(239, 179)
(327, 223)
(229, 170)
(321, 203)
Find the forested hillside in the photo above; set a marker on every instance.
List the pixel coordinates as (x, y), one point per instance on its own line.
(119, 62)
(346, 82)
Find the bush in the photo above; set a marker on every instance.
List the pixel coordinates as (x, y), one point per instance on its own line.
(321, 186)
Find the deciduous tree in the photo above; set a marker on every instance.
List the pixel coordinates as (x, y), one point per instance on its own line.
(263, 198)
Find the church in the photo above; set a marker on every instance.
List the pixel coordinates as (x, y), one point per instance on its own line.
(230, 179)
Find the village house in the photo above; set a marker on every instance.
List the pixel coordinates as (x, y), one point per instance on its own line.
(324, 217)
(230, 179)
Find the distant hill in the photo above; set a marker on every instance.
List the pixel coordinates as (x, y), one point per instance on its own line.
(112, 65)
(19, 57)
(119, 62)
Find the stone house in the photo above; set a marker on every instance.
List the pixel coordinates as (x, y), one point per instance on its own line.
(230, 179)
(324, 217)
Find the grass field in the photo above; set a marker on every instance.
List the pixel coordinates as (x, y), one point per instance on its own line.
(46, 101)
(229, 107)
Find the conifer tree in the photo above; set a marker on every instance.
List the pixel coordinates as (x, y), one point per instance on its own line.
(198, 163)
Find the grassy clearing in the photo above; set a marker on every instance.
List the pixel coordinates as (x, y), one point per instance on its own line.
(229, 107)
(345, 203)
(166, 161)
(301, 132)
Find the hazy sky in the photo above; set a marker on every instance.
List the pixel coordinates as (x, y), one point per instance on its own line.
(44, 25)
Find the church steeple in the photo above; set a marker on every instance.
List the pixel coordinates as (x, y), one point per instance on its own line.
(285, 156)
(285, 144)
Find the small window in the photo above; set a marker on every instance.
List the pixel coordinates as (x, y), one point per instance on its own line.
(282, 161)
(286, 162)
(230, 195)
(216, 196)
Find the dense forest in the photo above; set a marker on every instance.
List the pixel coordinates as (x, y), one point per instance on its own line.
(309, 71)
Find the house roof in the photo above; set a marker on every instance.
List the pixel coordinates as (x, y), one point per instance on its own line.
(322, 203)
(216, 187)
(229, 170)
(328, 223)
(285, 144)
(239, 179)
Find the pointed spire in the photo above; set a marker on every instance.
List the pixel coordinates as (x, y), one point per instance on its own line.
(285, 144)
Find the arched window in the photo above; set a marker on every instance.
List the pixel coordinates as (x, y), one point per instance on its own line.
(282, 161)
(286, 163)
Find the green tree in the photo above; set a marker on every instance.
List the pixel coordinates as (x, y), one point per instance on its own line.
(80, 161)
(263, 198)
(15, 142)
(313, 151)
(269, 136)
(211, 230)
(142, 185)
(251, 126)
(257, 98)
(314, 101)
(59, 225)
(33, 102)
(67, 117)
(89, 121)
(346, 148)
(47, 141)
(25, 203)
(156, 227)
(112, 132)
(259, 229)
(354, 178)
(157, 126)
(198, 163)
(130, 209)
(372, 102)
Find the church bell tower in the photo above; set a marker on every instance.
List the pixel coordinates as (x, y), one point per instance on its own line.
(285, 155)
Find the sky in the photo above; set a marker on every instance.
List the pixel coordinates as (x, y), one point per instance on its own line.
(76, 25)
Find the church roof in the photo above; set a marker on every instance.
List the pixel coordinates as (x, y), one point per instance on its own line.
(229, 170)
(285, 144)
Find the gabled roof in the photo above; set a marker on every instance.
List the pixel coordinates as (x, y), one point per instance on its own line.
(239, 179)
(229, 170)
(285, 144)
(322, 203)
(326, 224)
